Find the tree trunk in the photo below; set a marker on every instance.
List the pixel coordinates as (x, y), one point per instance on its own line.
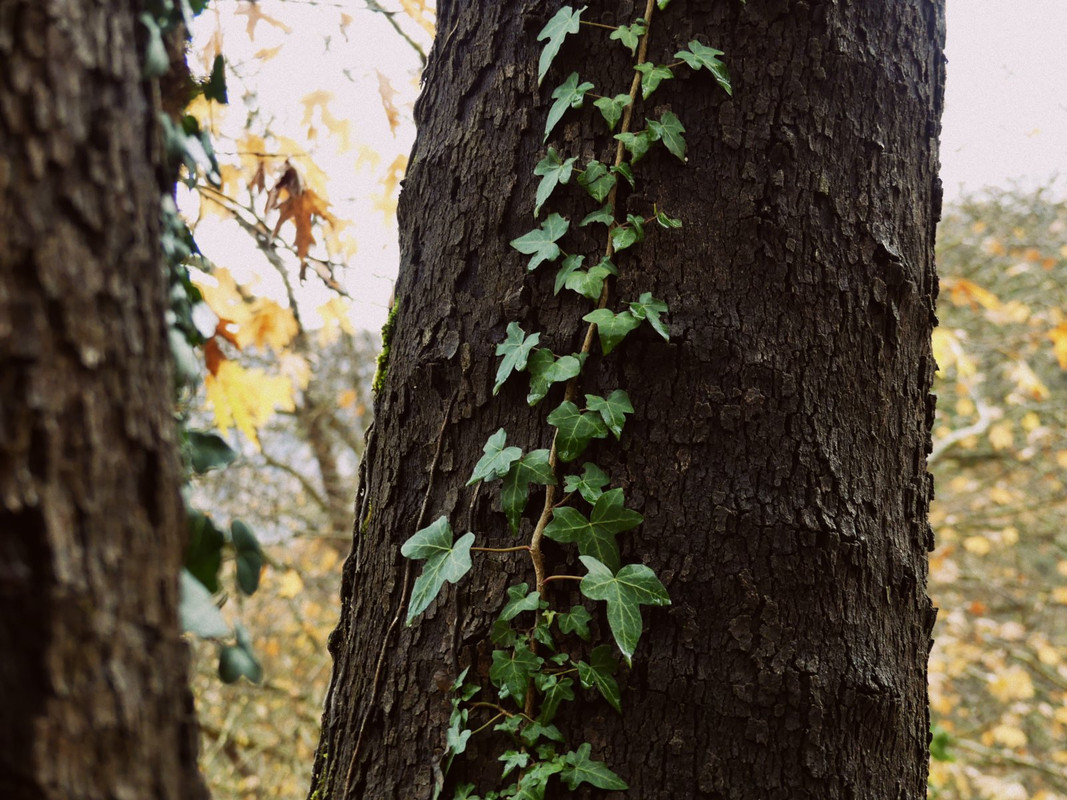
(778, 448)
(93, 681)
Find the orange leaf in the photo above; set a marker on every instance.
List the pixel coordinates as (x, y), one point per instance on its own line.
(388, 94)
(1058, 335)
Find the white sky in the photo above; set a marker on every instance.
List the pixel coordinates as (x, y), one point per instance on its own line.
(1005, 116)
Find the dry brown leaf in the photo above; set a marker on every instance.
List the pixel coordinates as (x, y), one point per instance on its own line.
(255, 16)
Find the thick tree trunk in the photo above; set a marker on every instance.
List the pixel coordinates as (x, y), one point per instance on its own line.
(779, 442)
(93, 689)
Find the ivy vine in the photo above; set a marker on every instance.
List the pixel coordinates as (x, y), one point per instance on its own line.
(535, 668)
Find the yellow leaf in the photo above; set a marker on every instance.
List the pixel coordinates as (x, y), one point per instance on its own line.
(1058, 335)
(1010, 535)
(967, 293)
(1059, 595)
(1061, 458)
(1030, 422)
(1010, 684)
(1060, 715)
(290, 585)
(1009, 736)
(965, 407)
(347, 398)
(268, 324)
(246, 398)
(979, 545)
(1001, 496)
(1000, 435)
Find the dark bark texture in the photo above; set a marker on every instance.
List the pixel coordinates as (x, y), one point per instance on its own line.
(778, 449)
(93, 689)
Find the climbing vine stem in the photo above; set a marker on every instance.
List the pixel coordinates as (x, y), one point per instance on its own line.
(540, 647)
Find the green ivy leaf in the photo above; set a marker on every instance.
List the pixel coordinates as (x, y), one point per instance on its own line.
(552, 170)
(611, 108)
(534, 467)
(611, 327)
(669, 130)
(540, 244)
(237, 661)
(516, 351)
(545, 370)
(666, 221)
(630, 35)
(554, 690)
(579, 768)
(215, 88)
(249, 556)
(591, 483)
(648, 307)
(535, 731)
(203, 554)
(520, 599)
(566, 21)
(663, 3)
(626, 171)
(511, 671)
(208, 451)
(597, 180)
(502, 634)
(699, 55)
(457, 736)
(570, 264)
(613, 410)
(576, 621)
(465, 791)
(595, 536)
(652, 76)
(445, 561)
(197, 610)
(569, 94)
(497, 461)
(590, 283)
(624, 593)
(598, 674)
(575, 429)
(603, 215)
(637, 143)
(513, 759)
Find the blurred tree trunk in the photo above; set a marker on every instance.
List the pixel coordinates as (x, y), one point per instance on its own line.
(778, 449)
(93, 681)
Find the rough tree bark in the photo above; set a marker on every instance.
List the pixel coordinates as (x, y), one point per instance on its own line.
(93, 681)
(778, 449)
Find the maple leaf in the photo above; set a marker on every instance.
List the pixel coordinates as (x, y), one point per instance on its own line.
(388, 94)
(418, 10)
(297, 203)
(269, 324)
(246, 398)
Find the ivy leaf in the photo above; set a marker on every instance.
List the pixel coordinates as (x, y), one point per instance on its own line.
(552, 170)
(666, 221)
(569, 94)
(637, 143)
(513, 759)
(534, 467)
(598, 674)
(516, 351)
(579, 768)
(502, 635)
(249, 556)
(669, 130)
(699, 55)
(590, 485)
(197, 610)
(611, 327)
(626, 171)
(575, 429)
(520, 599)
(597, 180)
(590, 283)
(603, 215)
(595, 536)
(624, 593)
(648, 307)
(536, 731)
(497, 461)
(545, 370)
(203, 553)
(570, 264)
(566, 21)
(208, 451)
(554, 691)
(663, 3)
(630, 35)
(445, 561)
(613, 410)
(511, 671)
(577, 621)
(540, 244)
(611, 108)
(652, 76)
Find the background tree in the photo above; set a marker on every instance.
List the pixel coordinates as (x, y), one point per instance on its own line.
(93, 678)
(778, 447)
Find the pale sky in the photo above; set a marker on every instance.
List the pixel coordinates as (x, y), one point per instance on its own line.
(1005, 115)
